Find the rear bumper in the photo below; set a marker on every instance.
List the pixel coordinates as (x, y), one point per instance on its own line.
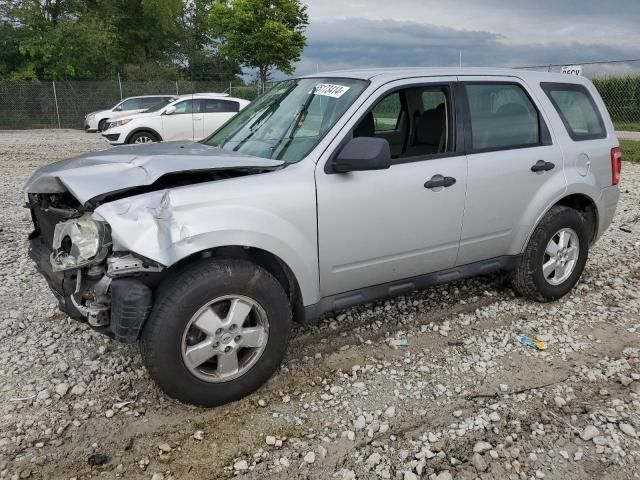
(607, 205)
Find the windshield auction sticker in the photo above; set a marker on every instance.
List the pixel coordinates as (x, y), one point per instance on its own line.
(328, 90)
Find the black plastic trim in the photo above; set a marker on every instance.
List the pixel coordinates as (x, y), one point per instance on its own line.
(548, 87)
(131, 302)
(391, 289)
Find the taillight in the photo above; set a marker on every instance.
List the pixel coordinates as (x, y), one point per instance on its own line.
(616, 165)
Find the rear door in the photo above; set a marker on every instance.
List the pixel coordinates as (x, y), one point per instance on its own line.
(513, 163)
(216, 112)
(186, 123)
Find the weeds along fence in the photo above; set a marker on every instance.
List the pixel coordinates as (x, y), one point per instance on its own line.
(63, 104)
(622, 97)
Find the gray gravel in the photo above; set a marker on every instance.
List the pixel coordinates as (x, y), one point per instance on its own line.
(429, 385)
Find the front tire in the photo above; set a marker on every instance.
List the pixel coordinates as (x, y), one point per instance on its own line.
(143, 137)
(217, 332)
(555, 256)
(102, 124)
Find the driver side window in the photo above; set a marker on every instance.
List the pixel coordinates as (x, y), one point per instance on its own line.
(188, 107)
(131, 104)
(416, 121)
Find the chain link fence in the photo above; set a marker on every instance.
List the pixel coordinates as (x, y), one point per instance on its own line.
(618, 83)
(63, 104)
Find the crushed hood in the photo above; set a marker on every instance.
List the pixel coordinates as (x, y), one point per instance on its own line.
(116, 169)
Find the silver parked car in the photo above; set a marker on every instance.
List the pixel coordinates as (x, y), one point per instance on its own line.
(328, 191)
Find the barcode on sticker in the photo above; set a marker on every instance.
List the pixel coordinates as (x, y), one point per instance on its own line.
(328, 90)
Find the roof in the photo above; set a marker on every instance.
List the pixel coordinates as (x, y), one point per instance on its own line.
(150, 96)
(207, 95)
(383, 75)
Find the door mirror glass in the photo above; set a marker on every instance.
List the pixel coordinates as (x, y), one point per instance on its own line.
(171, 109)
(363, 153)
(118, 108)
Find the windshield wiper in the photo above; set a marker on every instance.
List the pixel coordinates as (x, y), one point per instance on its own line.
(268, 112)
(291, 128)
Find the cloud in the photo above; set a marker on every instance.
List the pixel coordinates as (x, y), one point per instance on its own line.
(335, 43)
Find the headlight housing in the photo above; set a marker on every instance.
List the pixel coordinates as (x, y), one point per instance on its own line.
(119, 123)
(79, 242)
(91, 116)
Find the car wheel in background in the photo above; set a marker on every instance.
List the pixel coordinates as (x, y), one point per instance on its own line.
(143, 137)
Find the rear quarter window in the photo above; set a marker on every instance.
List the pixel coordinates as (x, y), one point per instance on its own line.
(577, 110)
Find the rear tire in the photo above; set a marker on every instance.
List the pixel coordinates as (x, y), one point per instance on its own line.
(143, 137)
(183, 305)
(548, 270)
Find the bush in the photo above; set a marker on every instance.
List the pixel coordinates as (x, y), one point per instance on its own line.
(621, 95)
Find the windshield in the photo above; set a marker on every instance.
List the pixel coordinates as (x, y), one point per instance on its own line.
(159, 106)
(288, 121)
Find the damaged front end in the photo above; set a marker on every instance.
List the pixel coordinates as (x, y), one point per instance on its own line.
(73, 251)
(98, 270)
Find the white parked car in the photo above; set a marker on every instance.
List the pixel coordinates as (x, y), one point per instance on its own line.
(95, 121)
(189, 117)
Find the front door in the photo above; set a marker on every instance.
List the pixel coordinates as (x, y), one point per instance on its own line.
(186, 123)
(375, 227)
(512, 164)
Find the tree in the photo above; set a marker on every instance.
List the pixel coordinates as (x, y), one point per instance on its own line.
(261, 34)
(194, 52)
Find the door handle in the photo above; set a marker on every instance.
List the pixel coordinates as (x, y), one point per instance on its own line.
(542, 166)
(438, 181)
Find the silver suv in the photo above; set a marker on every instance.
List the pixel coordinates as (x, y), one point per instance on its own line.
(328, 191)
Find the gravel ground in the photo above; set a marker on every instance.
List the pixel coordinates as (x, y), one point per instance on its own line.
(429, 385)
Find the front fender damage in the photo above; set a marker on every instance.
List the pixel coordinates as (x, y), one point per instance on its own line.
(146, 225)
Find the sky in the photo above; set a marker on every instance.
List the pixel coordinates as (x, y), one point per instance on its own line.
(374, 33)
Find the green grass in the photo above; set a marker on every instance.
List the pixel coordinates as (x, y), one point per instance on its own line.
(630, 150)
(627, 126)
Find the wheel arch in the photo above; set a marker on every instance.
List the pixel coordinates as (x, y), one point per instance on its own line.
(275, 265)
(580, 201)
(143, 129)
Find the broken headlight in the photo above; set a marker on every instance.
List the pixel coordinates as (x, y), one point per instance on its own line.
(79, 242)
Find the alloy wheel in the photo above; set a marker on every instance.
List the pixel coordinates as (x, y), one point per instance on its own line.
(225, 338)
(561, 256)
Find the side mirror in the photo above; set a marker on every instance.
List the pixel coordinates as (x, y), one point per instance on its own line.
(363, 153)
(118, 109)
(170, 110)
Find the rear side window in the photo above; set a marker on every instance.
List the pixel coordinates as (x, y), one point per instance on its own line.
(577, 110)
(220, 106)
(502, 116)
